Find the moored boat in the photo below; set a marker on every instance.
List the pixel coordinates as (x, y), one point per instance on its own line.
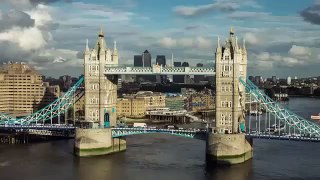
(315, 117)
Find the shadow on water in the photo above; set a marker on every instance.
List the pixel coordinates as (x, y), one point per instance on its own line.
(235, 172)
(107, 167)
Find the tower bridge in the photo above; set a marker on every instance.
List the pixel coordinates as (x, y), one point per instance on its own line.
(228, 141)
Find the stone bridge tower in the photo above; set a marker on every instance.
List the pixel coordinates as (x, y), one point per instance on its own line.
(227, 144)
(231, 63)
(100, 89)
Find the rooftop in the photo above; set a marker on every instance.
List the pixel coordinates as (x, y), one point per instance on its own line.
(17, 68)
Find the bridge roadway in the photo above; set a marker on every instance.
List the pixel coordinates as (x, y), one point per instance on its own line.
(156, 69)
(60, 130)
(44, 127)
(197, 134)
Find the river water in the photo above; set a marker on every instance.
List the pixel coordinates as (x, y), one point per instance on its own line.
(164, 157)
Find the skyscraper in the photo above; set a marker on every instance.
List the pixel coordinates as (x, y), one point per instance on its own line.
(187, 78)
(274, 79)
(137, 61)
(258, 80)
(161, 61)
(198, 78)
(177, 64)
(251, 78)
(289, 80)
(185, 64)
(143, 60)
(178, 78)
(146, 57)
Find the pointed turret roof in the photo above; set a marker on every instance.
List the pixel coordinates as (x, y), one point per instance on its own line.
(87, 45)
(101, 32)
(115, 50)
(101, 45)
(218, 45)
(244, 44)
(244, 50)
(231, 30)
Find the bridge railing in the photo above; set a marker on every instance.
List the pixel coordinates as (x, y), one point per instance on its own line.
(283, 114)
(56, 108)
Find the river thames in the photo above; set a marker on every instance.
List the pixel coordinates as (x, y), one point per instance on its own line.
(164, 157)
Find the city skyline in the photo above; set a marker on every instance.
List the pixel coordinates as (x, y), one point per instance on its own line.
(281, 40)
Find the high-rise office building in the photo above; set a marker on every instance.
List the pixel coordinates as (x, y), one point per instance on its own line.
(146, 58)
(251, 78)
(187, 78)
(199, 78)
(185, 64)
(177, 78)
(257, 80)
(22, 90)
(161, 61)
(274, 79)
(289, 80)
(143, 60)
(66, 82)
(177, 64)
(137, 61)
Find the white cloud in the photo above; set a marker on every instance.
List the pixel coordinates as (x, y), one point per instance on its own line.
(59, 54)
(27, 38)
(197, 42)
(18, 3)
(291, 62)
(30, 38)
(265, 60)
(167, 42)
(41, 15)
(251, 38)
(112, 14)
(203, 43)
(264, 65)
(59, 60)
(186, 42)
(197, 10)
(248, 15)
(264, 56)
(299, 51)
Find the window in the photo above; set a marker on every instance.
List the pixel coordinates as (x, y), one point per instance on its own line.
(226, 68)
(94, 86)
(222, 104)
(94, 101)
(227, 58)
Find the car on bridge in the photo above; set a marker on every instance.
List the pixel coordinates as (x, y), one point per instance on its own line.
(171, 127)
(139, 125)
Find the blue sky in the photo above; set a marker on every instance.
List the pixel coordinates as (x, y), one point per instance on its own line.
(282, 36)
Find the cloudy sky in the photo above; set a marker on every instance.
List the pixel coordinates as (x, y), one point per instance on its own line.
(283, 37)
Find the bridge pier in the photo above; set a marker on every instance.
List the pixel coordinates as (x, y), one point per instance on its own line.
(228, 149)
(93, 142)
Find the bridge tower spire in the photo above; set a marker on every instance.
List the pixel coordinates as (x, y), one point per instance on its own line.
(100, 89)
(87, 45)
(230, 65)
